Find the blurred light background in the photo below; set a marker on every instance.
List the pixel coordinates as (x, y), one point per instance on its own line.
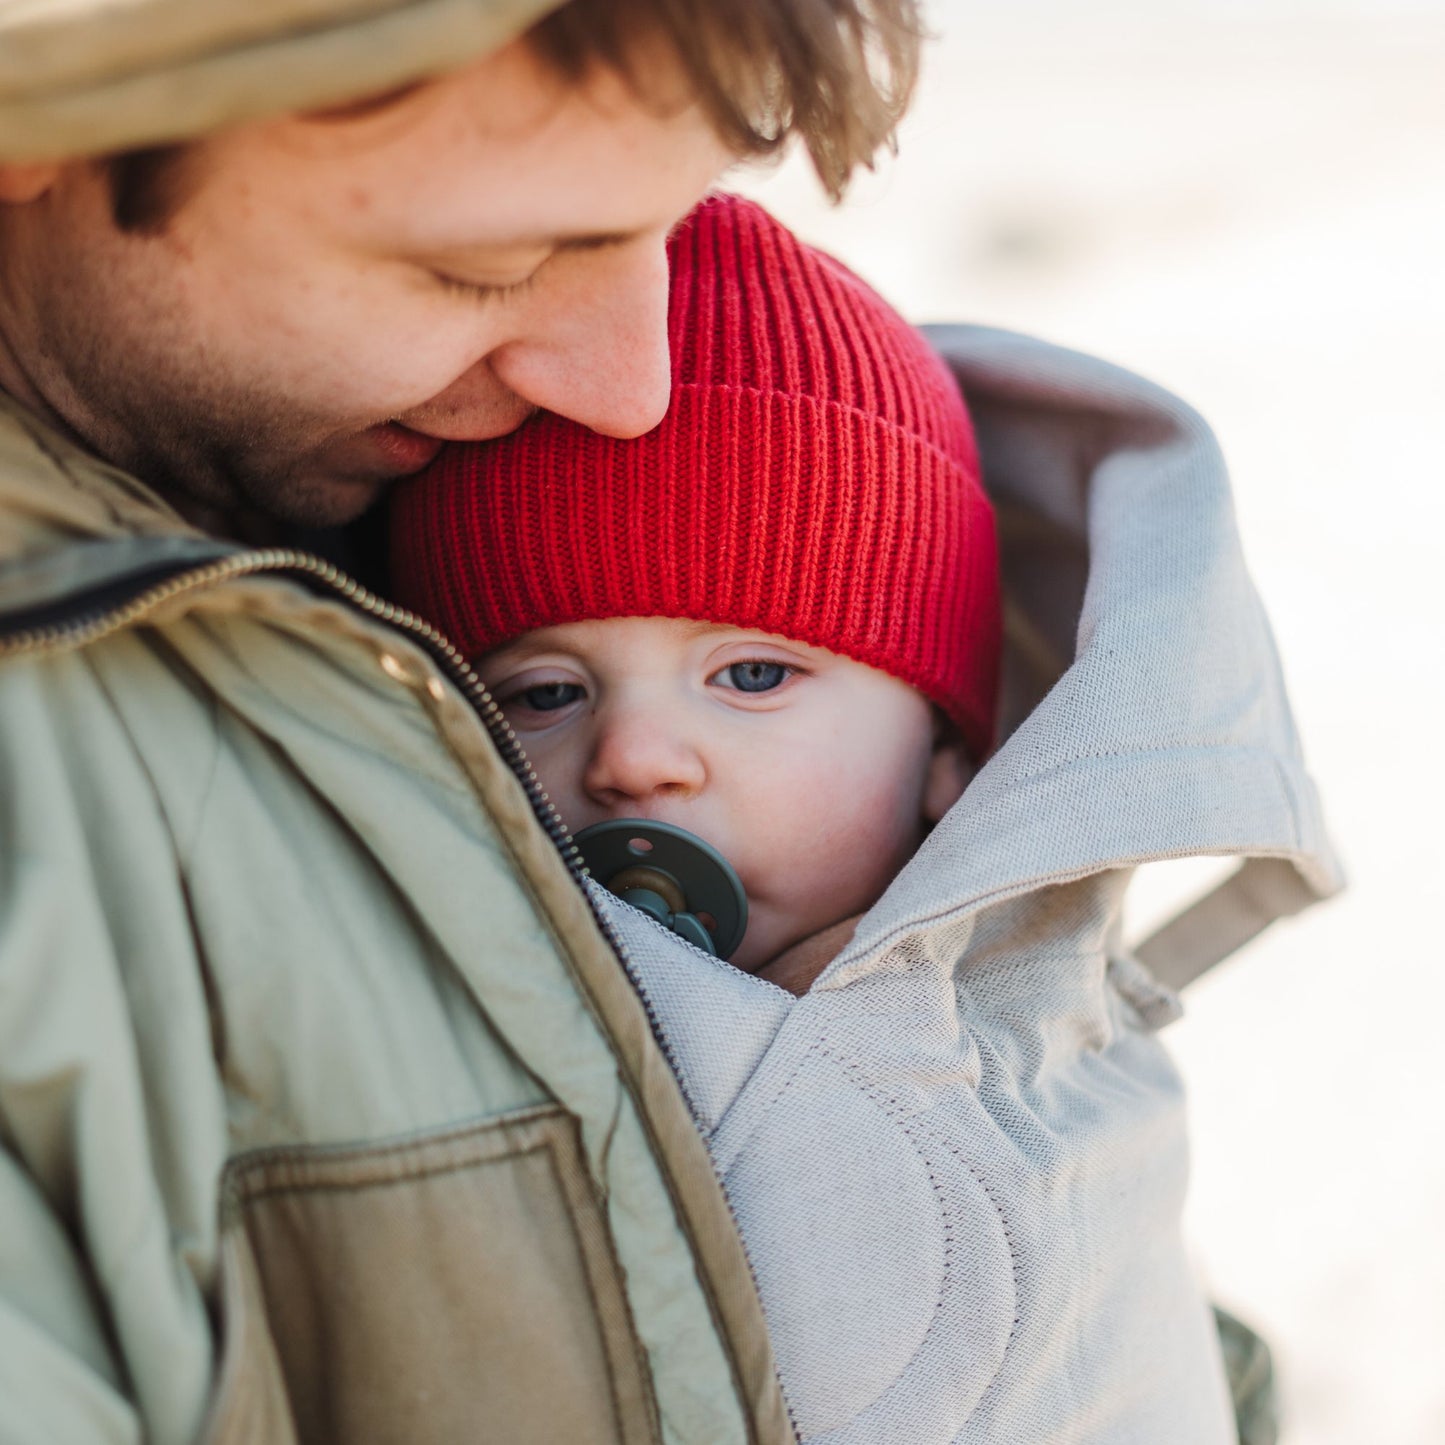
(1245, 200)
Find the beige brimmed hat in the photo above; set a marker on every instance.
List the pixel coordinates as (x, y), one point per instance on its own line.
(84, 77)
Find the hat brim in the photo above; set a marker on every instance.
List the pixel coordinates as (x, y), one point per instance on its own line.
(90, 79)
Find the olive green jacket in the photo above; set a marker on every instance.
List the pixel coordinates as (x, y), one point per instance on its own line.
(327, 1112)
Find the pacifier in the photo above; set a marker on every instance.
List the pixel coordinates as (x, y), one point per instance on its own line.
(672, 876)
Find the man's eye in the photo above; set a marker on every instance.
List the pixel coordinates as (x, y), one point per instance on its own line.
(481, 290)
(754, 676)
(549, 696)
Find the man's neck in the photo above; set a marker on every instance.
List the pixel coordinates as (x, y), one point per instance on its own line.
(17, 383)
(22, 383)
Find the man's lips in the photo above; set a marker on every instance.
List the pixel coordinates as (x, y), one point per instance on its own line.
(405, 449)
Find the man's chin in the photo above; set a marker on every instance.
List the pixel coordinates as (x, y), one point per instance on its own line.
(301, 499)
(336, 486)
(337, 503)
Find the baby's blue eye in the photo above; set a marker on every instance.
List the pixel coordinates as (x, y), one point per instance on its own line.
(757, 676)
(549, 696)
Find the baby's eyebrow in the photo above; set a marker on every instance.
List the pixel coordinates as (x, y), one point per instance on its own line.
(693, 628)
(503, 657)
(522, 653)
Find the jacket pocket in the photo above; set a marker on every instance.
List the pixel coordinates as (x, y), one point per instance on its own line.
(458, 1287)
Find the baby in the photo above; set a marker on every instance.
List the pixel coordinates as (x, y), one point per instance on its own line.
(953, 1145)
(773, 621)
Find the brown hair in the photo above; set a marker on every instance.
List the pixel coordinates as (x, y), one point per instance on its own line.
(836, 73)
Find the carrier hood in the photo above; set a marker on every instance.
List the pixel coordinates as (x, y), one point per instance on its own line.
(959, 1161)
(1144, 712)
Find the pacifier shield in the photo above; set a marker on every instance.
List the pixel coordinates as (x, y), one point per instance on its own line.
(665, 867)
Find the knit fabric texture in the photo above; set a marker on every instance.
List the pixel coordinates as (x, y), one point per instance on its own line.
(815, 476)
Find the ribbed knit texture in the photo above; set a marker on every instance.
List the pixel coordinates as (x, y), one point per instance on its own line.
(815, 476)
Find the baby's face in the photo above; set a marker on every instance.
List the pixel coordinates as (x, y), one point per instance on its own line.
(814, 775)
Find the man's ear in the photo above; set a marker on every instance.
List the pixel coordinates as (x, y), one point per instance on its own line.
(949, 771)
(21, 181)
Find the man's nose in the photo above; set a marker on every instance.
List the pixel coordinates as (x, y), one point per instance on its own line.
(599, 353)
(640, 755)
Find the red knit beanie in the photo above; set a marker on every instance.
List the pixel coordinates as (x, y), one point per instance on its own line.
(815, 476)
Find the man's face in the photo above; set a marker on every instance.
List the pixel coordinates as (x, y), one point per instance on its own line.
(814, 775)
(337, 295)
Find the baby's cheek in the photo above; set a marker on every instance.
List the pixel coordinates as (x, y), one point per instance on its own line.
(888, 813)
(559, 764)
(857, 851)
(835, 822)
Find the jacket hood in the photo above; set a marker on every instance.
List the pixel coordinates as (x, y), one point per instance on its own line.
(1145, 715)
(84, 77)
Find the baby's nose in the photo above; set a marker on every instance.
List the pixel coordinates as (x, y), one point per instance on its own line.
(635, 758)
